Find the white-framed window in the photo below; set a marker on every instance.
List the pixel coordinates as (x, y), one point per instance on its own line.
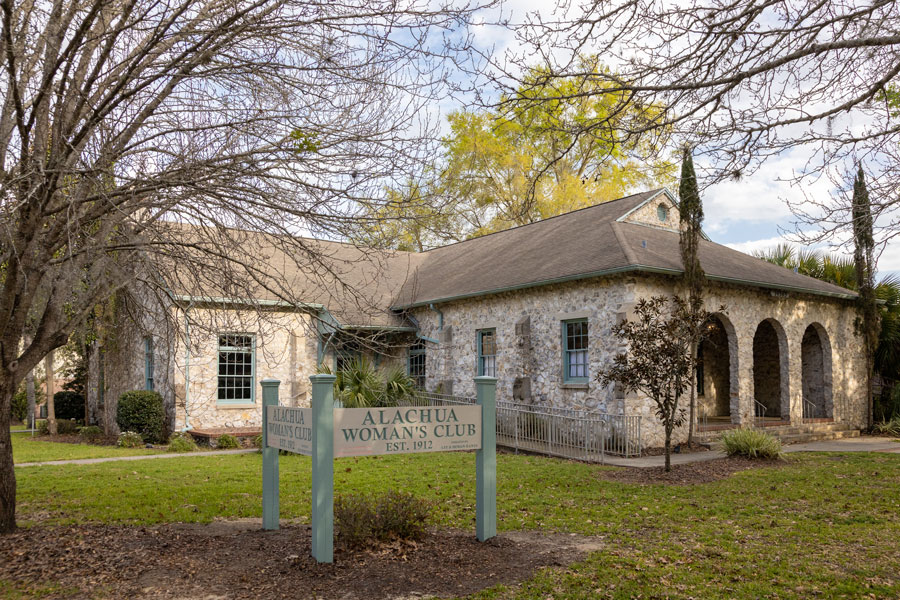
(237, 368)
(575, 351)
(487, 352)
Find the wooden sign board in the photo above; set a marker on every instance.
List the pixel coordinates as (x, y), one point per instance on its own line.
(289, 429)
(372, 431)
(406, 429)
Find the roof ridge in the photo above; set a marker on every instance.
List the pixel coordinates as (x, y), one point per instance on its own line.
(565, 214)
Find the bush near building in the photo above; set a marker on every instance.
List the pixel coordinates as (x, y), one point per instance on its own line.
(142, 411)
(68, 405)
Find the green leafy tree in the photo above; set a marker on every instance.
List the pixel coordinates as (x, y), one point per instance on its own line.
(690, 209)
(413, 218)
(505, 167)
(517, 165)
(658, 360)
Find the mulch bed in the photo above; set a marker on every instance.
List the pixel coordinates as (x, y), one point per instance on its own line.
(690, 473)
(236, 559)
(677, 449)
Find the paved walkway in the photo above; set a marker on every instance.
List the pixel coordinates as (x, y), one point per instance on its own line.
(92, 461)
(860, 444)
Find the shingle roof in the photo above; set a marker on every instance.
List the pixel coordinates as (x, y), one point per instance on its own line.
(363, 287)
(355, 284)
(584, 243)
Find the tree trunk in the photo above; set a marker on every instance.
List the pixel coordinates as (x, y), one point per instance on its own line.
(49, 385)
(668, 448)
(30, 394)
(693, 403)
(7, 471)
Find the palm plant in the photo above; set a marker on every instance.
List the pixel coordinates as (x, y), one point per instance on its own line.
(360, 385)
(398, 386)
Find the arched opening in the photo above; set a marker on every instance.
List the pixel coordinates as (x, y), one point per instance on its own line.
(717, 372)
(815, 369)
(770, 372)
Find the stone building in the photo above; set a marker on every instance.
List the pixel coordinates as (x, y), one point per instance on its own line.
(535, 306)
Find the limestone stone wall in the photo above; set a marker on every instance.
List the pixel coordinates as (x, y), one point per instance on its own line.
(648, 214)
(792, 314)
(528, 326)
(116, 361)
(529, 340)
(285, 347)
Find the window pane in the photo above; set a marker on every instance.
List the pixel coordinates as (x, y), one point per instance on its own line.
(487, 346)
(235, 368)
(576, 349)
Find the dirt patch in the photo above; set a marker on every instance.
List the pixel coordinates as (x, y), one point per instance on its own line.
(690, 473)
(236, 559)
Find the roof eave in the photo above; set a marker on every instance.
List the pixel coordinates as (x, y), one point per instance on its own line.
(621, 270)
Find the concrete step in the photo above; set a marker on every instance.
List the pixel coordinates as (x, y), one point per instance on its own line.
(794, 433)
(819, 436)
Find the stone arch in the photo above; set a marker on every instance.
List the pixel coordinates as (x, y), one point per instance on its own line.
(718, 380)
(771, 376)
(815, 373)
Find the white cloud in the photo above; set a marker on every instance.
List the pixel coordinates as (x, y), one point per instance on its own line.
(760, 198)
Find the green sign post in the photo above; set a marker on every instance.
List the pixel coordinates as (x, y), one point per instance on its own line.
(324, 432)
(323, 467)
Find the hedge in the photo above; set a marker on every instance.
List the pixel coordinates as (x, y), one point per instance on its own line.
(142, 411)
(68, 405)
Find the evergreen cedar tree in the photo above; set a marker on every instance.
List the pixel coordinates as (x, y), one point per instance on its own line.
(863, 256)
(690, 209)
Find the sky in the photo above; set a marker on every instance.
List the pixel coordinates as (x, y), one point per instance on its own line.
(747, 215)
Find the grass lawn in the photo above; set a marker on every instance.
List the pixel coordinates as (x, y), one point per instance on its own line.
(824, 526)
(26, 449)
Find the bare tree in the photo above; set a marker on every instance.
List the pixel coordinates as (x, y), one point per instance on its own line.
(741, 81)
(133, 133)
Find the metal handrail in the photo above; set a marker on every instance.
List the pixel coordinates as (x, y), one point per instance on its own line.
(760, 412)
(555, 431)
(810, 409)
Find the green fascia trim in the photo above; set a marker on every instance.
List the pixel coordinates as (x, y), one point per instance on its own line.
(622, 270)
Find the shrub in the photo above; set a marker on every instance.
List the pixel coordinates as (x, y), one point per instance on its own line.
(129, 439)
(182, 442)
(226, 441)
(401, 515)
(362, 520)
(398, 386)
(68, 405)
(63, 427)
(751, 443)
(257, 442)
(359, 384)
(891, 427)
(142, 411)
(91, 433)
(19, 408)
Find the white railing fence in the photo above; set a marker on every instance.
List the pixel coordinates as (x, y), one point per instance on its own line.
(563, 432)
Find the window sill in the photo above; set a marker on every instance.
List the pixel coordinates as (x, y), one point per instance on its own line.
(575, 386)
(235, 405)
